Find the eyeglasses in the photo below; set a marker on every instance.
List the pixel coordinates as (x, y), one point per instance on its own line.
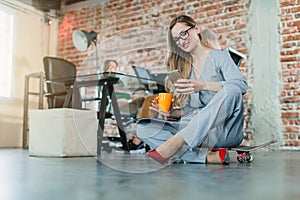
(183, 35)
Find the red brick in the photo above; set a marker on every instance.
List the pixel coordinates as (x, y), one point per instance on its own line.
(295, 9)
(285, 4)
(285, 121)
(292, 129)
(292, 143)
(290, 115)
(293, 23)
(288, 59)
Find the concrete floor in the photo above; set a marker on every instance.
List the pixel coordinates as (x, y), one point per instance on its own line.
(272, 175)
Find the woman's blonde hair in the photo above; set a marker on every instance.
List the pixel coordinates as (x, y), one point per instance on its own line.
(178, 59)
(107, 66)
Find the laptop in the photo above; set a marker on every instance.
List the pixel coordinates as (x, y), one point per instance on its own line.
(236, 56)
(145, 76)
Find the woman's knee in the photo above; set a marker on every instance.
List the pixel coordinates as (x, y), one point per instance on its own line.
(233, 92)
(232, 89)
(141, 130)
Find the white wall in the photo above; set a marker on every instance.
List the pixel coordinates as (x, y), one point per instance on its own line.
(264, 53)
(34, 39)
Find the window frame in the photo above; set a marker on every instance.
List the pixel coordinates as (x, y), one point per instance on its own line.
(12, 28)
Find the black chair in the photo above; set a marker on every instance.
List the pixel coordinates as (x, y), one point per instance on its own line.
(57, 92)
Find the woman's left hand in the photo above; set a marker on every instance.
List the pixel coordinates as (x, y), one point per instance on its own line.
(171, 114)
(187, 86)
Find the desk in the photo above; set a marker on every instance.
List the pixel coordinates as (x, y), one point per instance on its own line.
(106, 82)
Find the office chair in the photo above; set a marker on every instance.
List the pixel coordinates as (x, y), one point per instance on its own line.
(57, 68)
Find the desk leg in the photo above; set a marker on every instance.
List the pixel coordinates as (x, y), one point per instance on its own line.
(118, 117)
(101, 119)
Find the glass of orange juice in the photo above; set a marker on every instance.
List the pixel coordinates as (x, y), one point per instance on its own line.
(165, 101)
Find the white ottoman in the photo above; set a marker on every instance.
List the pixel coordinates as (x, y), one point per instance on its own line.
(62, 132)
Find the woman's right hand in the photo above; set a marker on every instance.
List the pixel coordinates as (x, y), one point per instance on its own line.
(188, 86)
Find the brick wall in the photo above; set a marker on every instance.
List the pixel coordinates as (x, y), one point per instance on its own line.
(290, 59)
(134, 33)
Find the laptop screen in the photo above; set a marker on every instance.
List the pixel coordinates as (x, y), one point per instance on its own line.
(142, 73)
(159, 78)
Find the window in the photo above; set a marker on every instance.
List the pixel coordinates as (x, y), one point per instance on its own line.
(6, 51)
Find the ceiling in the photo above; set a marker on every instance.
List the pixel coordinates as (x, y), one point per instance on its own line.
(47, 5)
(69, 2)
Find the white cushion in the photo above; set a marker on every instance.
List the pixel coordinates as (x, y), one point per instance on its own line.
(62, 132)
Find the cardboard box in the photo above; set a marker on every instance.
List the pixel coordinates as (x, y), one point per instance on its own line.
(62, 132)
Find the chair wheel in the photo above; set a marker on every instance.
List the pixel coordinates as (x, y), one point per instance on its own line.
(241, 158)
(249, 157)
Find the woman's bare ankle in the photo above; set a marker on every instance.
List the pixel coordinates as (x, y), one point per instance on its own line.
(171, 146)
(213, 158)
